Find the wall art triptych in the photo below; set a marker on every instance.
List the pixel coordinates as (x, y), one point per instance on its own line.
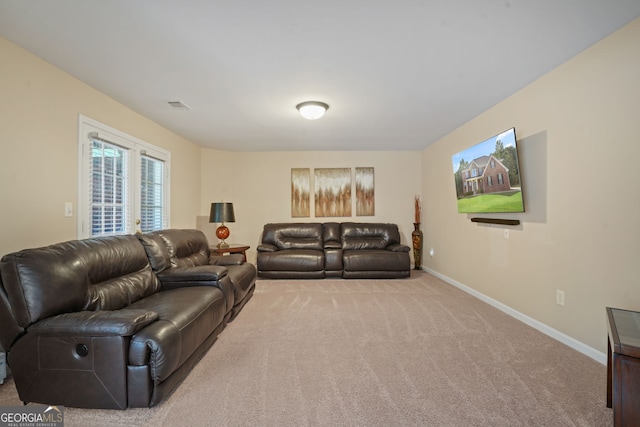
(332, 189)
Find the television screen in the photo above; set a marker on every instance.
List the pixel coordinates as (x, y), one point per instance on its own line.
(487, 176)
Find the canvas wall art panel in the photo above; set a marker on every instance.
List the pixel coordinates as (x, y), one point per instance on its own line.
(332, 192)
(300, 192)
(365, 192)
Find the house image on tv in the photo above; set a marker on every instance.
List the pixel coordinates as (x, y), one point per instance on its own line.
(485, 174)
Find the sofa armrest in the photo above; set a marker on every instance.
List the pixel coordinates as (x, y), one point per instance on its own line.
(267, 247)
(231, 259)
(197, 273)
(398, 247)
(200, 275)
(121, 323)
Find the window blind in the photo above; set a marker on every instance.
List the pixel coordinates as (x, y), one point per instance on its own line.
(152, 211)
(108, 166)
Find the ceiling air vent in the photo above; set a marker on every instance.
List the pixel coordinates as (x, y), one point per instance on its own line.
(178, 105)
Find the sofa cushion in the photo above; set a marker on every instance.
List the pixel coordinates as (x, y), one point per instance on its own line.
(331, 235)
(24, 272)
(376, 260)
(187, 248)
(121, 291)
(293, 236)
(119, 272)
(156, 250)
(291, 260)
(369, 236)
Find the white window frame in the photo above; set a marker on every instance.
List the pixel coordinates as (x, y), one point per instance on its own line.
(137, 148)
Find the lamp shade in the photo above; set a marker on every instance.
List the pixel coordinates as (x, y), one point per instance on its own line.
(222, 212)
(312, 110)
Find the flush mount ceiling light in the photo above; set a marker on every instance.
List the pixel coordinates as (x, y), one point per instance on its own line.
(312, 110)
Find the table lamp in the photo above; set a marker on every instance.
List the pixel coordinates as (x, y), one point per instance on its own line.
(222, 212)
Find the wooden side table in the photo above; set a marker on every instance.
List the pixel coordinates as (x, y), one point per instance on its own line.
(233, 248)
(623, 366)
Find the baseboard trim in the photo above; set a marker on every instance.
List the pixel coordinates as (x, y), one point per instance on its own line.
(545, 329)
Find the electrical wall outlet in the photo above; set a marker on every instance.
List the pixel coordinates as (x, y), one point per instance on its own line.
(560, 297)
(506, 233)
(68, 209)
(432, 252)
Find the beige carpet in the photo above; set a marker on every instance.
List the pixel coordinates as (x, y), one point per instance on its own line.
(413, 352)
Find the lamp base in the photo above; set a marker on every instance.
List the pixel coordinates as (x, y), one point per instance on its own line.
(222, 233)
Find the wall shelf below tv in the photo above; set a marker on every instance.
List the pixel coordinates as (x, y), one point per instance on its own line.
(496, 221)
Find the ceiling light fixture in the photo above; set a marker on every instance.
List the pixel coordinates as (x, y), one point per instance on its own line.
(312, 110)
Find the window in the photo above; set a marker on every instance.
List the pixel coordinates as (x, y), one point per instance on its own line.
(152, 194)
(108, 188)
(123, 186)
(500, 178)
(490, 181)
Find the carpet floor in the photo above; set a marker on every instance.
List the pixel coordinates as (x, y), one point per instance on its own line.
(411, 352)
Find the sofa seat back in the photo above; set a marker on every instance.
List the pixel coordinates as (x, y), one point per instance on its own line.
(174, 248)
(356, 236)
(104, 273)
(293, 236)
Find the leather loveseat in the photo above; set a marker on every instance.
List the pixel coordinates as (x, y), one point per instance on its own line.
(348, 250)
(89, 323)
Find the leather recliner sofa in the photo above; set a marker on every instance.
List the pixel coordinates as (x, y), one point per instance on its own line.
(182, 258)
(88, 323)
(348, 250)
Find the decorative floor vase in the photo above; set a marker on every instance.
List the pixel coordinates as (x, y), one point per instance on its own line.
(416, 236)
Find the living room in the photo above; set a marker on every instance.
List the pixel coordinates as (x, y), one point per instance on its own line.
(578, 234)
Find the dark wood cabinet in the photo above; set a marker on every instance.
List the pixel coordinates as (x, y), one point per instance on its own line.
(623, 366)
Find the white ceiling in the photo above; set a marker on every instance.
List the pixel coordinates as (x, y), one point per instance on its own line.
(398, 75)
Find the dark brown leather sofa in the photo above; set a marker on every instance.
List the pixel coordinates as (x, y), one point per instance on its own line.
(89, 323)
(182, 258)
(348, 250)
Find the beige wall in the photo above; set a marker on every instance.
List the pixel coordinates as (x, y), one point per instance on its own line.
(259, 185)
(39, 139)
(578, 129)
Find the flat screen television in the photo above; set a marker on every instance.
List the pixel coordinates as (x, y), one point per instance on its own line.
(487, 176)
